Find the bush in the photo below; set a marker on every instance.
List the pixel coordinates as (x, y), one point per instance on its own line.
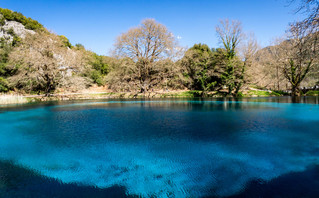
(195, 93)
(99, 64)
(16, 41)
(4, 87)
(97, 77)
(240, 94)
(5, 50)
(98, 69)
(11, 32)
(16, 16)
(65, 41)
(312, 93)
(2, 20)
(79, 46)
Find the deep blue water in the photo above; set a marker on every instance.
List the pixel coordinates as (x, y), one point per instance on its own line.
(161, 148)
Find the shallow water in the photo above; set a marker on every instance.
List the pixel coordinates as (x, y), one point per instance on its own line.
(163, 148)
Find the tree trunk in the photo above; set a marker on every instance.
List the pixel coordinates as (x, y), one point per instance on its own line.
(295, 91)
(235, 94)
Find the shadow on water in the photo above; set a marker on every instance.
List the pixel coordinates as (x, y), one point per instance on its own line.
(293, 185)
(16, 181)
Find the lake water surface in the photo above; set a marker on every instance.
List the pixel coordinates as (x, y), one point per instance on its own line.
(262, 147)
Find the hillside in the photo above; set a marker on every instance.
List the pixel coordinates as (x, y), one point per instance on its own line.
(33, 60)
(267, 70)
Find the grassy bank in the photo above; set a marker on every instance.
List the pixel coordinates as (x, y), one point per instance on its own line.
(262, 93)
(7, 99)
(312, 93)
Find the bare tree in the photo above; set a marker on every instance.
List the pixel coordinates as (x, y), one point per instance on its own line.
(266, 70)
(247, 51)
(42, 61)
(123, 76)
(299, 55)
(311, 24)
(229, 34)
(145, 45)
(311, 9)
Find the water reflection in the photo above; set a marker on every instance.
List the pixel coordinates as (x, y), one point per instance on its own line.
(161, 148)
(16, 181)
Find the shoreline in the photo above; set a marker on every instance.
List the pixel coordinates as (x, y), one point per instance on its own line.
(14, 98)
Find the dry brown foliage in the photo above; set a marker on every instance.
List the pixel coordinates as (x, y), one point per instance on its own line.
(145, 46)
(43, 62)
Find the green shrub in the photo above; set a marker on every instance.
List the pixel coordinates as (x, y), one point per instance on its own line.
(2, 20)
(79, 46)
(312, 93)
(65, 41)
(240, 94)
(4, 87)
(97, 77)
(98, 70)
(194, 93)
(16, 16)
(5, 50)
(32, 24)
(16, 41)
(99, 64)
(11, 32)
(185, 94)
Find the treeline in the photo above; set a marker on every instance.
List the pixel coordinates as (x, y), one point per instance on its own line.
(148, 58)
(151, 59)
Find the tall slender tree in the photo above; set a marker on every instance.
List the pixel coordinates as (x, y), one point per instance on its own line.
(230, 35)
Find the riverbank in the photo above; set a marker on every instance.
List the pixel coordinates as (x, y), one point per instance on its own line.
(13, 98)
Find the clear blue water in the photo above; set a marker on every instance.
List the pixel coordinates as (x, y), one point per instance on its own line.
(162, 148)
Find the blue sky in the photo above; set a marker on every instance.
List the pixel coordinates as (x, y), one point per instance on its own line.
(97, 23)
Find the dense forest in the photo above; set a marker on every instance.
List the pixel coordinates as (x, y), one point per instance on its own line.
(148, 58)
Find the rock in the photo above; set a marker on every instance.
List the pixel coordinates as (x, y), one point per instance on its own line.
(18, 29)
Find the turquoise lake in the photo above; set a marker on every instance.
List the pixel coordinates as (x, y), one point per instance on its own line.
(258, 147)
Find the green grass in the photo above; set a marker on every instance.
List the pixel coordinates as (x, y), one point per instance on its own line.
(281, 93)
(262, 93)
(312, 93)
(185, 94)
